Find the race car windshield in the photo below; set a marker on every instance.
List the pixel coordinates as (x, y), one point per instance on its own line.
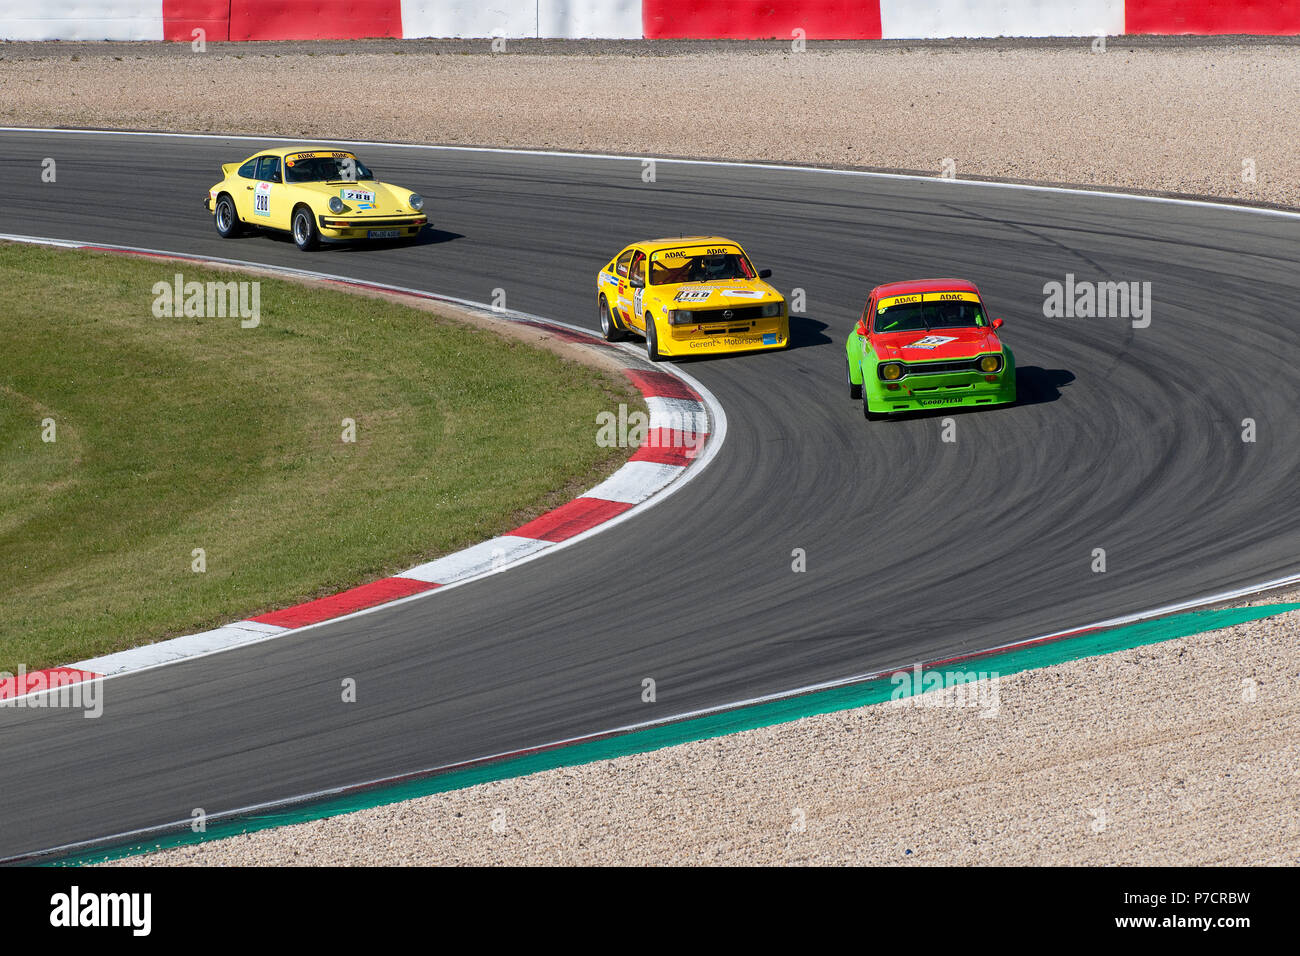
(918, 316)
(706, 268)
(322, 169)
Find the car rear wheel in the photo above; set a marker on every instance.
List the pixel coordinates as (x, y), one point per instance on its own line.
(651, 340)
(305, 233)
(226, 219)
(608, 327)
(855, 391)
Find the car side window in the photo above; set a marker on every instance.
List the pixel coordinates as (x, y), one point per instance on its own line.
(637, 270)
(623, 261)
(249, 169)
(268, 169)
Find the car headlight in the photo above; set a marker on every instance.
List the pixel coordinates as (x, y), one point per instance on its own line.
(679, 317)
(991, 363)
(771, 310)
(416, 202)
(891, 371)
(336, 204)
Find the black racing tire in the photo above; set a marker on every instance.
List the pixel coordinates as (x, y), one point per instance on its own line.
(609, 327)
(867, 413)
(855, 391)
(305, 234)
(651, 340)
(226, 218)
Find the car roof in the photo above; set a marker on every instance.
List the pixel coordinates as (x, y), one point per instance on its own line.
(654, 245)
(913, 286)
(283, 151)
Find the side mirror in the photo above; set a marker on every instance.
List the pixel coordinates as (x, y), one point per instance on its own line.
(636, 283)
(862, 328)
(765, 273)
(997, 324)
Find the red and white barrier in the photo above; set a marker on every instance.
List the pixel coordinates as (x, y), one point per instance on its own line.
(605, 19)
(632, 19)
(1213, 17)
(904, 19)
(82, 20)
(760, 19)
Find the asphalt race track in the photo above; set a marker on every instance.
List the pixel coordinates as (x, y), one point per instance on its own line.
(1125, 439)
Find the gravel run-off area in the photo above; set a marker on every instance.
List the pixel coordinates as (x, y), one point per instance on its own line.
(1166, 117)
(1185, 752)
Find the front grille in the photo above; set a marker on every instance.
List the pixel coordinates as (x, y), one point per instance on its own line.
(937, 368)
(744, 313)
(940, 368)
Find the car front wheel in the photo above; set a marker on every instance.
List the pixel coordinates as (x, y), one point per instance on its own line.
(867, 413)
(227, 220)
(855, 391)
(608, 327)
(651, 340)
(305, 233)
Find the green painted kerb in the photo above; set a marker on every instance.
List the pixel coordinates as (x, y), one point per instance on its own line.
(714, 725)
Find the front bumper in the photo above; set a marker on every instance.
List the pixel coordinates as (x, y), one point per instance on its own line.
(340, 227)
(928, 392)
(754, 335)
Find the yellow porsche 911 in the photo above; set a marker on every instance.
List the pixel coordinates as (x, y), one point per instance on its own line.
(696, 295)
(314, 194)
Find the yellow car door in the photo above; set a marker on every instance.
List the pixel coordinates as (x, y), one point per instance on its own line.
(636, 287)
(242, 186)
(624, 303)
(270, 195)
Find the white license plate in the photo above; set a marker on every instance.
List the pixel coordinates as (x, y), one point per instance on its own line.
(384, 233)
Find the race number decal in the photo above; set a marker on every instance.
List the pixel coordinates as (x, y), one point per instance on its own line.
(262, 200)
(348, 169)
(931, 341)
(636, 301)
(358, 195)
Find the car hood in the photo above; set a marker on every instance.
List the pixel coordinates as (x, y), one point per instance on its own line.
(387, 197)
(721, 293)
(937, 344)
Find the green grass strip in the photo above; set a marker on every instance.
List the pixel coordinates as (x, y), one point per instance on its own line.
(338, 439)
(740, 719)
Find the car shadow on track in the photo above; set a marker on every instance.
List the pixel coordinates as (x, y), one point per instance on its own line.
(805, 332)
(427, 237)
(1036, 386)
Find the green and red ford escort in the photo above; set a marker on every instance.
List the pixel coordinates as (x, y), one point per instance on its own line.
(926, 344)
